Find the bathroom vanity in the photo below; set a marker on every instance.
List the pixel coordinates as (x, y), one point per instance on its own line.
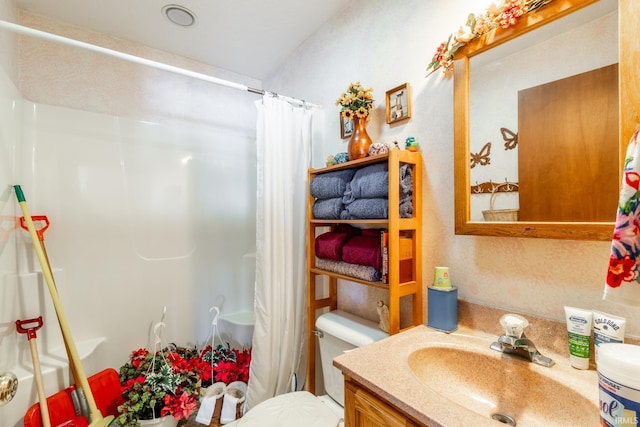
(365, 408)
(423, 377)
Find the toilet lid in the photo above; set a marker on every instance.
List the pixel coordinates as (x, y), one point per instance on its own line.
(295, 409)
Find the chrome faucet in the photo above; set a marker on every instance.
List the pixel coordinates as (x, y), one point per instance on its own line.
(518, 343)
(522, 346)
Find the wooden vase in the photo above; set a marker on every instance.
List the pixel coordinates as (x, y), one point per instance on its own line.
(360, 140)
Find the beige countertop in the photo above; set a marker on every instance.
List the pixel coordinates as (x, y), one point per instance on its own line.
(383, 368)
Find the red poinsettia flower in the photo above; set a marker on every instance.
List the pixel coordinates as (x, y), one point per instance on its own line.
(243, 359)
(139, 356)
(180, 406)
(132, 382)
(203, 369)
(226, 372)
(178, 363)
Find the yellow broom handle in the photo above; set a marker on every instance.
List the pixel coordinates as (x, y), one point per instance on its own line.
(96, 415)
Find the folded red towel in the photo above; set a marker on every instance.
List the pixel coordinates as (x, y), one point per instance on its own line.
(346, 228)
(329, 245)
(363, 250)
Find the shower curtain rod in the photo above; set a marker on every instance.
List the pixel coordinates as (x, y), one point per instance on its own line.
(136, 59)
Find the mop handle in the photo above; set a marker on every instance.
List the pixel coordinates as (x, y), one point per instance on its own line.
(96, 415)
(30, 331)
(44, 407)
(39, 232)
(31, 337)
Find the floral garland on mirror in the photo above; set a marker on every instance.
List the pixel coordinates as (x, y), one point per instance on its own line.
(502, 15)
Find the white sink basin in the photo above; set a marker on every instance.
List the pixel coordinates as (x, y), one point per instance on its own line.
(497, 385)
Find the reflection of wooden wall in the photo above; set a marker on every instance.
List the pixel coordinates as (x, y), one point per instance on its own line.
(568, 168)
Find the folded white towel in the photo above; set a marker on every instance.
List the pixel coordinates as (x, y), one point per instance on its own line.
(208, 405)
(235, 395)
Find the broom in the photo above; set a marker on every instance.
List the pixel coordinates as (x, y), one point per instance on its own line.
(97, 420)
(77, 395)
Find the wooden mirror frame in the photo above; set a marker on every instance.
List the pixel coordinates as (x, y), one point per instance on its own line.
(546, 230)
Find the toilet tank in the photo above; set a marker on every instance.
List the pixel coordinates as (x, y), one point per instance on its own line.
(342, 331)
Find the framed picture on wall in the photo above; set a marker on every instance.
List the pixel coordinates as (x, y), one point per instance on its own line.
(398, 103)
(346, 127)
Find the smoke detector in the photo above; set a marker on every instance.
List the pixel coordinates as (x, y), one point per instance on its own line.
(179, 15)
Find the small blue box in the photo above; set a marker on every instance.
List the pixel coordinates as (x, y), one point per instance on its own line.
(442, 308)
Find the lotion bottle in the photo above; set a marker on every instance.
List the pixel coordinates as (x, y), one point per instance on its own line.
(579, 324)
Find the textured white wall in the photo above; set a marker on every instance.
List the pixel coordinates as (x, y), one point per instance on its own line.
(387, 43)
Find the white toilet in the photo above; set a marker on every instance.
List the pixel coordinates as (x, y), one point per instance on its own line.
(340, 332)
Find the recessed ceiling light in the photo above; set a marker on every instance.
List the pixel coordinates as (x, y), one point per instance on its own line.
(179, 15)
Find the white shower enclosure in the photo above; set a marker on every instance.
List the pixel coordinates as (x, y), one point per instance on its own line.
(148, 180)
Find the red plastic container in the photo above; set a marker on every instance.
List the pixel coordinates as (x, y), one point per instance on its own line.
(105, 387)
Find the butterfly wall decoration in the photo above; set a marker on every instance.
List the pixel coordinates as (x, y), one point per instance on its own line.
(510, 139)
(482, 157)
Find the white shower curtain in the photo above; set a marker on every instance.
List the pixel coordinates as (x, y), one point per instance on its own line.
(279, 340)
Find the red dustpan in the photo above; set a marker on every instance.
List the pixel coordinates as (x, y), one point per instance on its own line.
(105, 386)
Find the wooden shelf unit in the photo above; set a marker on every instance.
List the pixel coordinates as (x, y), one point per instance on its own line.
(395, 225)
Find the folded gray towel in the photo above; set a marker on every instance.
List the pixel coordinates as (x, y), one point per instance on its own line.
(328, 208)
(363, 272)
(406, 191)
(368, 209)
(360, 193)
(406, 208)
(406, 180)
(369, 182)
(331, 184)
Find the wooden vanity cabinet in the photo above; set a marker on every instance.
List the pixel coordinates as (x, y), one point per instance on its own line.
(363, 408)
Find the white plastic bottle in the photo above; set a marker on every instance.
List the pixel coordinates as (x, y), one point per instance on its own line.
(579, 326)
(619, 384)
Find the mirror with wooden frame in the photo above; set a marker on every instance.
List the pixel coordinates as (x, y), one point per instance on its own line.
(500, 86)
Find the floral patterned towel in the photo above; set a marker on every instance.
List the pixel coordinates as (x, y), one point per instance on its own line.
(623, 275)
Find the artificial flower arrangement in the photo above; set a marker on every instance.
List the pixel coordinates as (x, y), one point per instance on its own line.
(172, 380)
(503, 15)
(356, 101)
